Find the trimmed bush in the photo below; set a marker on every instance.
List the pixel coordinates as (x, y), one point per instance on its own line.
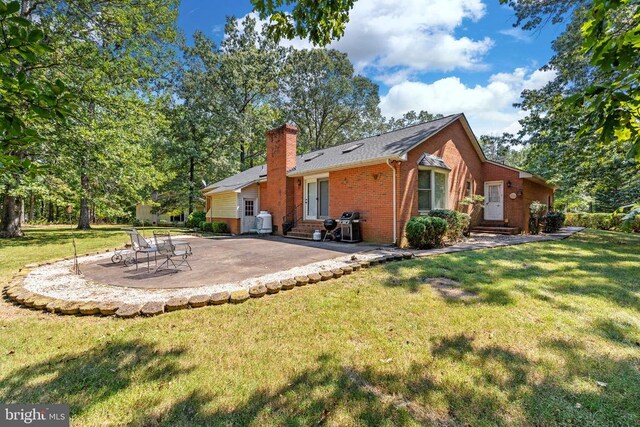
(553, 221)
(425, 232)
(219, 227)
(457, 222)
(215, 227)
(195, 218)
(600, 221)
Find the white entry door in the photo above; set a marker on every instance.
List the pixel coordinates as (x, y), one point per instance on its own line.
(248, 222)
(493, 201)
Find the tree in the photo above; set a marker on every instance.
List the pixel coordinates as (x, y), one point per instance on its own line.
(327, 101)
(114, 53)
(565, 142)
(235, 85)
(320, 21)
(29, 100)
(605, 38)
(502, 149)
(410, 118)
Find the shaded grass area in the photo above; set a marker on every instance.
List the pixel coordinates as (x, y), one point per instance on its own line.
(552, 338)
(43, 243)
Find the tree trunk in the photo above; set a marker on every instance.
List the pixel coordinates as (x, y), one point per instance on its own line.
(84, 223)
(11, 218)
(50, 215)
(192, 168)
(32, 202)
(22, 211)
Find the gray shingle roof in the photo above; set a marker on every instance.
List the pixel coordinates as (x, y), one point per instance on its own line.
(239, 180)
(431, 160)
(380, 147)
(392, 144)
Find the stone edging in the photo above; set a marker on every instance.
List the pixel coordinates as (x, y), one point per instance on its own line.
(16, 293)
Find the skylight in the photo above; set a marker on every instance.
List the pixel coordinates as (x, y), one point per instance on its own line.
(351, 148)
(313, 156)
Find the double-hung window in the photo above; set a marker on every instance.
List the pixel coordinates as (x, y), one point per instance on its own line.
(432, 190)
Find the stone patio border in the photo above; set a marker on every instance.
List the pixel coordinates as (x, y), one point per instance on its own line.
(16, 293)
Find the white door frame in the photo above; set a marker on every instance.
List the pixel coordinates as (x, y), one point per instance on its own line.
(243, 227)
(499, 211)
(307, 180)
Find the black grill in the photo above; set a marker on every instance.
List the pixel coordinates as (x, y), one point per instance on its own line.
(330, 224)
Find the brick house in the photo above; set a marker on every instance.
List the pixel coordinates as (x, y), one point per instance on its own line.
(388, 178)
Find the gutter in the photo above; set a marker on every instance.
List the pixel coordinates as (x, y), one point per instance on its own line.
(395, 223)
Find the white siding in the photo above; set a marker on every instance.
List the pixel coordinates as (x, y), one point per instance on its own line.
(225, 205)
(250, 192)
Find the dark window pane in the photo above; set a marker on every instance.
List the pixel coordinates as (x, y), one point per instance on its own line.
(424, 180)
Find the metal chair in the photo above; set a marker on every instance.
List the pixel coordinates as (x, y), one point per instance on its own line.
(167, 249)
(139, 245)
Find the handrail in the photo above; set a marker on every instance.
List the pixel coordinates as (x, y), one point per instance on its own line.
(290, 220)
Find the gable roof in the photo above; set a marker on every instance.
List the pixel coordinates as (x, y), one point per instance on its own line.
(238, 181)
(434, 161)
(374, 149)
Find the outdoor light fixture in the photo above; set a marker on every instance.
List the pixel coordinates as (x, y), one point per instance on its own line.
(509, 184)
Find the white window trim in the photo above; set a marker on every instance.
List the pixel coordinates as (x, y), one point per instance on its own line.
(445, 172)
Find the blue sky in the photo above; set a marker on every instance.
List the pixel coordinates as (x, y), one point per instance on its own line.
(444, 56)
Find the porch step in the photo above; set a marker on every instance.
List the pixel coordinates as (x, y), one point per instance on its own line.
(495, 230)
(492, 223)
(309, 226)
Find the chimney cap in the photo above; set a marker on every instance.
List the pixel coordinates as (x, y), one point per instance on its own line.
(287, 127)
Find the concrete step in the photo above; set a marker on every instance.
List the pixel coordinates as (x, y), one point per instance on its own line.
(491, 223)
(495, 230)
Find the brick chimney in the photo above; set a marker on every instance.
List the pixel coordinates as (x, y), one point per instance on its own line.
(277, 197)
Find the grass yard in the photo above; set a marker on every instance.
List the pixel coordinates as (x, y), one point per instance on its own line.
(552, 338)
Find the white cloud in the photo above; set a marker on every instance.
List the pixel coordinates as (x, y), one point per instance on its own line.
(418, 35)
(489, 107)
(517, 33)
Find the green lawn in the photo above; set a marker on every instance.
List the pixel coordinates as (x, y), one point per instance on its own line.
(552, 338)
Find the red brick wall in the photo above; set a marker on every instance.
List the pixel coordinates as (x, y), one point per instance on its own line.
(232, 223)
(368, 190)
(452, 144)
(517, 210)
(277, 197)
(513, 209)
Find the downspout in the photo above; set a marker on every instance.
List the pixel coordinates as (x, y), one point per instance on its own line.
(395, 223)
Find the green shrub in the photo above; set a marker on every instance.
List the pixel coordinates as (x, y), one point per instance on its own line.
(202, 225)
(457, 222)
(195, 218)
(219, 227)
(214, 227)
(425, 232)
(553, 221)
(600, 221)
(537, 211)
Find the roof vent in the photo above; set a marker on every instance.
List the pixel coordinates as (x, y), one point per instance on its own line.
(313, 156)
(351, 148)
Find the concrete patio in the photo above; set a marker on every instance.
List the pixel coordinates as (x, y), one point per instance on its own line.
(222, 260)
